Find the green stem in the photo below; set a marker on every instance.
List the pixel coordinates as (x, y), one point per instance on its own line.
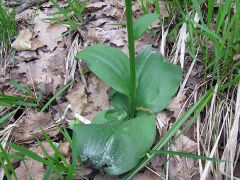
(131, 50)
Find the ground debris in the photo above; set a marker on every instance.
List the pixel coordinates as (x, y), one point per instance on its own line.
(30, 169)
(31, 123)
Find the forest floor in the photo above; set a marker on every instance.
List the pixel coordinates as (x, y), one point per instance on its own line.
(56, 90)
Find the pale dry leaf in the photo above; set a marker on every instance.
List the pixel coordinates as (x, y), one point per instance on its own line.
(48, 34)
(23, 40)
(145, 176)
(105, 177)
(115, 36)
(46, 73)
(31, 169)
(31, 123)
(164, 10)
(36, 43)
(176, 105)
(184, 144)
(163, 122)
(64, 148)
(24, 56)
(158, 162)
(112, 10)
(97, 99)
(78, 99)
(181, 169)
(95, 6)
(26, 15)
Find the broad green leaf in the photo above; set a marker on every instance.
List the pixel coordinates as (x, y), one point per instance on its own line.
(109, 115)
(115, 147)
(158, 80)
(120, 101)
(109, 64)
(142, 23)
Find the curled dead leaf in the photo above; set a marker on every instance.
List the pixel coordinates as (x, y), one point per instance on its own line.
(25, 41)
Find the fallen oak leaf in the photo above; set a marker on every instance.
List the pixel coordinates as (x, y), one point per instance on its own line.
(30, 124)
(48, 34)
(23, 40)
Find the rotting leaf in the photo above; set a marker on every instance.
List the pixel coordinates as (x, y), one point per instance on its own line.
(115, 147)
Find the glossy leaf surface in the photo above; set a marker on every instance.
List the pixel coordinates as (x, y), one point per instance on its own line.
(115, 147)
(109, 64)
(158, 80)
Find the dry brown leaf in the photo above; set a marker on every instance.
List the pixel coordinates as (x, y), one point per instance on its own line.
(114, 9)
(26, 56)
(105, 177)
(181, 169)
(26, 15)
(23, 40)
(164, 10)
(184, 144)
(175, 106)
(31, 123)
(98, 97)
(32, 169)
(115, 36)
(78, 99)
(146, 175)
(64, 148)
(48, 34)
(95, 6)
(163, 122)
(46, 73)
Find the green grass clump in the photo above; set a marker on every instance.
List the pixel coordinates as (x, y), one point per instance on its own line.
(71, 15)
(8, 29)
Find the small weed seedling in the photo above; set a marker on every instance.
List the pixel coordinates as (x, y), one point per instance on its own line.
(119, 138)
(71, 15)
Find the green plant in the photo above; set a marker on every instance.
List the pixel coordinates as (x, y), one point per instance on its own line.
(28, 98)
(8, 30)
(119, 138)
(71, 15)
(55, 164)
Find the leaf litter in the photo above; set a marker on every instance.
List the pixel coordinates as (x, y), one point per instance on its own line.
(41, 65)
